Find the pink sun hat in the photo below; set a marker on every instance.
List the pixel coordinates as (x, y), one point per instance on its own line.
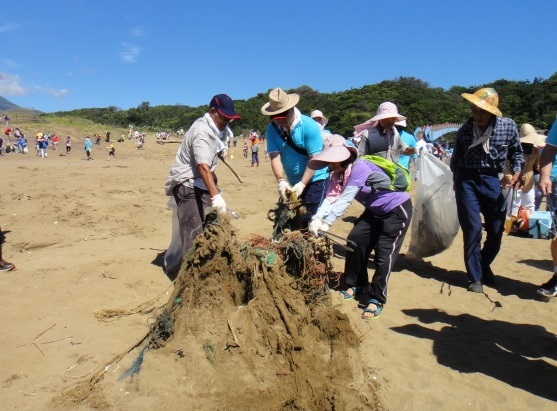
(387, 110)
(335, 150)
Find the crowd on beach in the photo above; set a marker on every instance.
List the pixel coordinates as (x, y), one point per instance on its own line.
(492, 161)
(328, 172)
(14, 140)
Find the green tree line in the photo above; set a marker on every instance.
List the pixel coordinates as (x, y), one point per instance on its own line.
(533, 102)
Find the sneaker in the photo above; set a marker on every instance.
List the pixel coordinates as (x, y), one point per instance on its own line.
(475, 287)
(549, 289)
(5, 266)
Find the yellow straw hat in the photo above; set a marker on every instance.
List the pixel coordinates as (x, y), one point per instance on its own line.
(485, 98)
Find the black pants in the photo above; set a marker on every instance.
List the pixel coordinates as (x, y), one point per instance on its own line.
(384, 234)
(313, 196)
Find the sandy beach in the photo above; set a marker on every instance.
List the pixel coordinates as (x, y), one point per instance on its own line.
(88, 235)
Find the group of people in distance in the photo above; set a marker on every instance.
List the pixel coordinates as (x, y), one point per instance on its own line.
(328, 173)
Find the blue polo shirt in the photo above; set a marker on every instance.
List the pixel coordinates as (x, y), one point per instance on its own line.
(552, 136)
(307, 135)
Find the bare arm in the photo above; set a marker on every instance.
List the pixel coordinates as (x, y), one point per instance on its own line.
(308, 175)
(546, 164)
(208, 178)
(276, 166)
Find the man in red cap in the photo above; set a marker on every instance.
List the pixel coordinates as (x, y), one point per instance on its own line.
(192, 180)
(482, 146)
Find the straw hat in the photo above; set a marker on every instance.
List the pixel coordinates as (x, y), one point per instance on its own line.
(529, 135)
(387, 110)
(279, 102)
(485, 98)
(335, 150)
(318, 114)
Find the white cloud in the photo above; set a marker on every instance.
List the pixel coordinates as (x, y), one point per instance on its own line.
(10, 85)
(137, 31)
(52, 92)
(4, 28)
(130, 54)
(58, 93)
(9, 63)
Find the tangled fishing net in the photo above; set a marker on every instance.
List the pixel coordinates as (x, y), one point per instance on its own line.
(254, 321)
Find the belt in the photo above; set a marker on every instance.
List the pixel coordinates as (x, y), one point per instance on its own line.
(483, 171)
(188, 182)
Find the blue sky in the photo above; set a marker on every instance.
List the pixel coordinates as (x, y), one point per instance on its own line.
(61, 55)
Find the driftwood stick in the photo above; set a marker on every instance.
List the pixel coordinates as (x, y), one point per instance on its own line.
(48, 329)
(231, 168)
(38, 348)
(233, 333)
(59, 339)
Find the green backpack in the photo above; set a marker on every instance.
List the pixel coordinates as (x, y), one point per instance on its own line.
(398, 176)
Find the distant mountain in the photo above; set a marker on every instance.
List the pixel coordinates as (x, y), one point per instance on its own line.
(8, 105)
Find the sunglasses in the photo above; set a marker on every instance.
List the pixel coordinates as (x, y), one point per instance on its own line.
(280, 116)
(224, 118)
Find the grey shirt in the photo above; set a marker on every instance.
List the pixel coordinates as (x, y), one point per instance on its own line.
(201, 145)
(375, 142)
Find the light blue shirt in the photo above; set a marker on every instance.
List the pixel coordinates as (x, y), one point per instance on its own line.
(410, 141)
(552, 136)
(306, 135)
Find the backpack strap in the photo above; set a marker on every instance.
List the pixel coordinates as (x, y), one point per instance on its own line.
(288, 140)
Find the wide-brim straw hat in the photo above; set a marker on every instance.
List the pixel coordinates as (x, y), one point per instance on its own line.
(279, 102)
(335, 150)
(387, 110)
(529, 135)
(485, 98)
(318, 114)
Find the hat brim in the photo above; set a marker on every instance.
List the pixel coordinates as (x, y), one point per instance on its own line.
(482, 104)
(231, 116)
(325, 119)
(384, 116)
(539, 140)
(334, 154)
(533, 138)
(529, 139)
(293, 99)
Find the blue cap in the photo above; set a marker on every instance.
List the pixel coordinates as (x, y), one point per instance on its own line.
(224, 105)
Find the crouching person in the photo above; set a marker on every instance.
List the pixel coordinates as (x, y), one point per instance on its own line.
(381, 227)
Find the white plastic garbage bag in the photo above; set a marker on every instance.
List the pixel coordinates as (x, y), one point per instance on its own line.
(435, 220)
(173, 255)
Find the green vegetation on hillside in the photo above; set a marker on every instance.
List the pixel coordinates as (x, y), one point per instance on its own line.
(524, 101)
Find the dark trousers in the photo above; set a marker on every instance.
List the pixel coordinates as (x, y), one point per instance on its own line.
(477, 194)
(384, 234)
(191, 203)
(313, 196)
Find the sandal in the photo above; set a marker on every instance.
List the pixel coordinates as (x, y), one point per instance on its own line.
(346, 296)
(376, 311)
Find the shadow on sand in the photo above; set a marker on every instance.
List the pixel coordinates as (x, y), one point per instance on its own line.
(511, 353)
(453, 278)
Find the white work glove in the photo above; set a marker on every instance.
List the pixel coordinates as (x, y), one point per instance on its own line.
(317, 225)
(283, 186)
(218, 204)
(298, 188)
